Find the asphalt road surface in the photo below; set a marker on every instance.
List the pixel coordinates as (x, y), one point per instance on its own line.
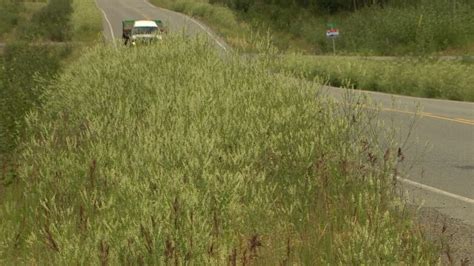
(114, 11)
(438, 170)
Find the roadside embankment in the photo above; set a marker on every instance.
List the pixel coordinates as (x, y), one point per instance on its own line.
(171, 154)
(429, 78)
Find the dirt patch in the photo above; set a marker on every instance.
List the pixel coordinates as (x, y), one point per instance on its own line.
(455, 238)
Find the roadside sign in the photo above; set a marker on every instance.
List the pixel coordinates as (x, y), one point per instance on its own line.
(332, 33)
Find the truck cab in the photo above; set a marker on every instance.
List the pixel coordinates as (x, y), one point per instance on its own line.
(141, 31)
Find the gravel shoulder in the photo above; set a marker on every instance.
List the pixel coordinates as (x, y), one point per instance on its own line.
(454, 238)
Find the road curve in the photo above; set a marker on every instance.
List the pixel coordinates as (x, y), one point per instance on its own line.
(114, 11)
(438, 170)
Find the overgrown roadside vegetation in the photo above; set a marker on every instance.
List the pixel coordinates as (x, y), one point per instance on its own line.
(391, 28)
(31, 60)
(9, 15)
(414, 77)
(183, 164)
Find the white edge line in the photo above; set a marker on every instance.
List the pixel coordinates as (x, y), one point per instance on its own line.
(108, 23)
(195, 21)
(209, 33)
(435, 190)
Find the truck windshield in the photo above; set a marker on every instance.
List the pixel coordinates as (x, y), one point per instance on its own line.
(144, 30)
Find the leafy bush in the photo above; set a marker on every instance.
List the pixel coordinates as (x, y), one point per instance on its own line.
(373, 27)
(26, 69)
(430, 27)
(52, 22)
(9, 11)
(199, 159)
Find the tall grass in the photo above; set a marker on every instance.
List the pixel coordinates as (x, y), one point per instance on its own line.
(424, 28)
(220, 18)
(171, 154)
(86, 21)
(50, 23)
(9, 15)
(26, 69)
(422, 78)
(418, 28)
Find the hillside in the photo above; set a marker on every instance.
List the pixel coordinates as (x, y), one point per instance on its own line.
(381, 27)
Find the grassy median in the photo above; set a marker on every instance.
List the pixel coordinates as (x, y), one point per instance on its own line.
(171, 154)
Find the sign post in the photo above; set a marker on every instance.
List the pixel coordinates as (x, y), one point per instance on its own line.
(332, 33)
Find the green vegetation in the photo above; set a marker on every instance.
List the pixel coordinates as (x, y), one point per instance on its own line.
(51, 23)
(86, 22)
(422, 78)
(392, 27)
(386, 27)
(200, 159)
(27, 69)
(221, 19)
(30, 61)
(9, 12)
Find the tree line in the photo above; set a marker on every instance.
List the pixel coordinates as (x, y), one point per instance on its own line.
(330, 6)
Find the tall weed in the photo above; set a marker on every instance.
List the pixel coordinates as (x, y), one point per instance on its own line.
(171, 154)
(86, 21)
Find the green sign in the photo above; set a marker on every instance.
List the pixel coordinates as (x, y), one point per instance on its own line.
(331, 25)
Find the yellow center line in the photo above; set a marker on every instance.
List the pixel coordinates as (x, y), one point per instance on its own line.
(139, 12)
(465, 120)
(425, 114)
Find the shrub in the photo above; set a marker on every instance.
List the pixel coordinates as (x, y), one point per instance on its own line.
(25, 71)
(9, 11)
(52, 22)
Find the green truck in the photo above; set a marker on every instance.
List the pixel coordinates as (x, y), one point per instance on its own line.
(142, 31)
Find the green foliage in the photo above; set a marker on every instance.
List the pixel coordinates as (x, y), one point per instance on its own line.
(218, 17)
(86, 21)
(371, 27)
(171, 154)
(9, 11)
(51, 23)
(329, 6)
(422, 78)
(26, 69)
(432, 26)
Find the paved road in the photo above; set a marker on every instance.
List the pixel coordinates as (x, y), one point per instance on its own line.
(469, 58)
(439, 164)
(439, 154)
(115, 11)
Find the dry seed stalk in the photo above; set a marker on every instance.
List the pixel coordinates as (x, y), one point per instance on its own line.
(50, 242)
(104, 253)
(92, 169)
(148, 239)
